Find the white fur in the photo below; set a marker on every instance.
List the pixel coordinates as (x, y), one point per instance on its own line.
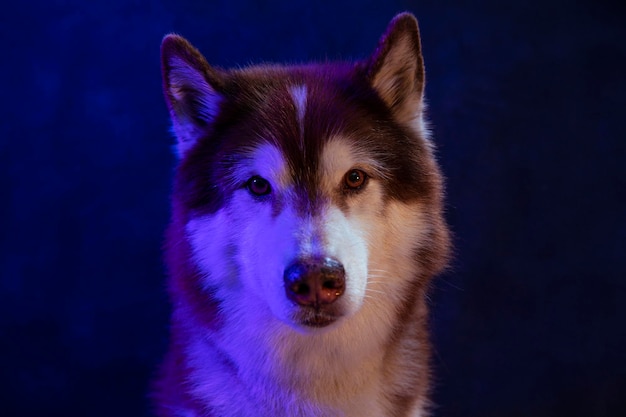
(299, 94)
(265, 161)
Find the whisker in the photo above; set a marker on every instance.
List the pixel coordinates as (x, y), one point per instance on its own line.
(375, 291)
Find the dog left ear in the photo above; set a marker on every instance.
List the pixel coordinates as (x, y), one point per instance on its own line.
(396, 70)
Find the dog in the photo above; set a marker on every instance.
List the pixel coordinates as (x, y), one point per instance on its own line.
(307, 223)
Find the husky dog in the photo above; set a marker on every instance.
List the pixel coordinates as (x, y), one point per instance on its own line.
(307, 223)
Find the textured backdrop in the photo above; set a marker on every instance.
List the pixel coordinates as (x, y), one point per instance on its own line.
(527, 103)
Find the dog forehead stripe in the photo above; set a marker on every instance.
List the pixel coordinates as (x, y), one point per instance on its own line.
(298, 94)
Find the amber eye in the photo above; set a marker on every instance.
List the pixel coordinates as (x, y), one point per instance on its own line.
(355, 179)
(258, 186)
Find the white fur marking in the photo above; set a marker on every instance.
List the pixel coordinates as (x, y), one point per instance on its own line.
(265, 160)
(339, 156)
(299, 94)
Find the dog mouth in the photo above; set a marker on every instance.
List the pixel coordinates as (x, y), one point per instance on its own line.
(319, 321)
(315, 318)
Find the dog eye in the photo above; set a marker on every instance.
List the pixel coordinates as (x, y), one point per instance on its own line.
(258, 186)
(354, 179)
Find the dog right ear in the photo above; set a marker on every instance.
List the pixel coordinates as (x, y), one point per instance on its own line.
(191, 90)
(396, 71)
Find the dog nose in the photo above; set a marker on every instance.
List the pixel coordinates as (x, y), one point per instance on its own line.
(314, 281)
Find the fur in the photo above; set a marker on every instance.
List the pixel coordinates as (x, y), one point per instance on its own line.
(288, 174)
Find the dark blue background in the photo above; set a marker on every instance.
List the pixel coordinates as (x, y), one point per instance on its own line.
(527, 102)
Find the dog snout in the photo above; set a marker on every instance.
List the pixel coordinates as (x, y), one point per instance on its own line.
(315, 281)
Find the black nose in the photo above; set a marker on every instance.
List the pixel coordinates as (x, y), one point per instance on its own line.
(314, 281)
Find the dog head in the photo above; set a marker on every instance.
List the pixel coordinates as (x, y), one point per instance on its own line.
(307, 191)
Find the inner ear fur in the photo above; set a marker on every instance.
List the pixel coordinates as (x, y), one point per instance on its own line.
(191, 87)
(396, 70)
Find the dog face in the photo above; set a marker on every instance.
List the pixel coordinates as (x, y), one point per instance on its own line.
(304, 192)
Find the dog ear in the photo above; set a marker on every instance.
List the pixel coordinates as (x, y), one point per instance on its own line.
(396, 70)
(191, 90)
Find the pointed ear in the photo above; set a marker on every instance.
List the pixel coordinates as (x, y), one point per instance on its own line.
(396, 70)
(191, 90)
